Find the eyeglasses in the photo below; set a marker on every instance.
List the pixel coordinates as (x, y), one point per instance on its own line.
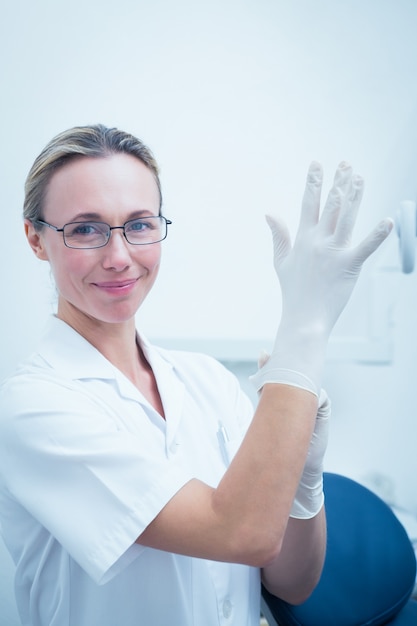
(139, 232)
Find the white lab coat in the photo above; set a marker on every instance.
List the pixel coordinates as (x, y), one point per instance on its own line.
(86, 464)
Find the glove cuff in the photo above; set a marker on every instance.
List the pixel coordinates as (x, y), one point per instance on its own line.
(284, 376)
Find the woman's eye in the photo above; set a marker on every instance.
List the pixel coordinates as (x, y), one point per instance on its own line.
(138, 226)
(85, 229)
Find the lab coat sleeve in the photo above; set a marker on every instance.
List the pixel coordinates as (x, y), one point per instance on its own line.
(93, 485)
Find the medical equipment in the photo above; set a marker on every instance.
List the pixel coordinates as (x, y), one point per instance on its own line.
(405, 224)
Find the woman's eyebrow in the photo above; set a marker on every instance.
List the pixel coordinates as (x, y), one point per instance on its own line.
(86, 216)
(97, 217)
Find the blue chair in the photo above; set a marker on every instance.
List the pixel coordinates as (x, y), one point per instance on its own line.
(370, 567)
(8, 610)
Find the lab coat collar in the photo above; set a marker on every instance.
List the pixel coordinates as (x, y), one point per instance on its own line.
(67, 352)
(64, 349)
(72, 356)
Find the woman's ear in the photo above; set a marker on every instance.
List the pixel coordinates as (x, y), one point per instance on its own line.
(35, 240)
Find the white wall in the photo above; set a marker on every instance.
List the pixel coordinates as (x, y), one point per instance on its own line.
(235, 97)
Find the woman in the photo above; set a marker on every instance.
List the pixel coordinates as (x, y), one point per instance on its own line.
(137, 484)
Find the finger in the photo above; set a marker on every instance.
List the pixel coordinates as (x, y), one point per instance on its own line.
(343, 175)
(349, 211)
(336, 198)
(324, 408)
(280, 238)
(310, 206)
(373, 240)
(263, 358)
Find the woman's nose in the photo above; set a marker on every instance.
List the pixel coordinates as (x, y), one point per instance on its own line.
(116, 252)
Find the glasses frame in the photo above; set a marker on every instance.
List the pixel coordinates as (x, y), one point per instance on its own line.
(149, 243)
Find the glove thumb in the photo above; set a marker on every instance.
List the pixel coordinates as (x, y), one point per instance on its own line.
(280, 239)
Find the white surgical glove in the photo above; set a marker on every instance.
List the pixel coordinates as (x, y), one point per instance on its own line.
(317, 275)
(309, 497)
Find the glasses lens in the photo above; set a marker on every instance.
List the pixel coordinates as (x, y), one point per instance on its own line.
(146, 230)
(86, 234)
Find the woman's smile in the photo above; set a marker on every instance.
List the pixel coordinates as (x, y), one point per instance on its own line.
(117, 287)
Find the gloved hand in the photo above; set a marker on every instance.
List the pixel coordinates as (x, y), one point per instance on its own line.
(317, 276)
(309, 497)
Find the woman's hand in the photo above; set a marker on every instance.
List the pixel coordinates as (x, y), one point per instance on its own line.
(317, 275)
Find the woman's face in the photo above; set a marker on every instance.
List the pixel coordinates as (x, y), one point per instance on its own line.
(105, 284)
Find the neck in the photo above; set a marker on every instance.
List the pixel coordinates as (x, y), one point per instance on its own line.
(117, 343)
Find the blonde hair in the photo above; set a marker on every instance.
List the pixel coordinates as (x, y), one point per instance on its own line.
(95, 141)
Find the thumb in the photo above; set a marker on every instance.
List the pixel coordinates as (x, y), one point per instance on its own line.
(280, 239)
(373, 240)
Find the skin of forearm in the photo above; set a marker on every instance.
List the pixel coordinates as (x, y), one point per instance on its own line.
(244, 519)
(293, 575)
(256, 493)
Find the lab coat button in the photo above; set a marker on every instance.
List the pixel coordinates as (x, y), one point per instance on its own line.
(174, 447)
(227, 608)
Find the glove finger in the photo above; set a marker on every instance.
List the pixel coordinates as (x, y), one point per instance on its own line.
(310, 206)
(324, 408)
(336, 199)
(280, 238)
(263, 358)
(372, 241)
(349, 212)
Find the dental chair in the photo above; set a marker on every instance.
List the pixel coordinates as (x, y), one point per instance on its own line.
(369, 572)
(8, 611)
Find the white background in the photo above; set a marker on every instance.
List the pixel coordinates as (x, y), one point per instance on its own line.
(235, 98)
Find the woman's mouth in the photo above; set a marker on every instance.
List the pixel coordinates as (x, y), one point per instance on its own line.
(117, 287)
